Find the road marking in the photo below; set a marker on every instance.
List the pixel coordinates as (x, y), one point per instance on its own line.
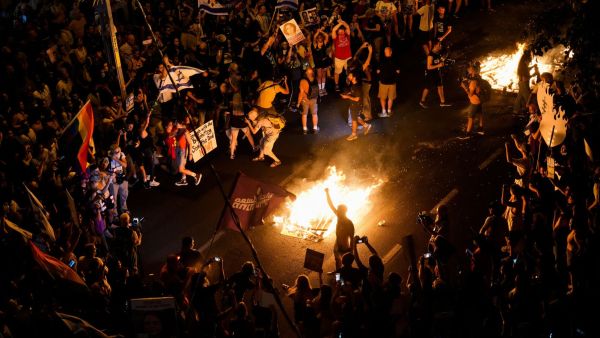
(392, 253)
(445, 200)
(490, 159)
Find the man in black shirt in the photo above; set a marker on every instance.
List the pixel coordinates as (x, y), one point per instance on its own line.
(354, 96)
(433, 75)
(442, 25)
(388, 72)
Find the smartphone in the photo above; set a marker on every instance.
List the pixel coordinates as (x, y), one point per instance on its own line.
(360, 241)
(337, 277)
(427, 255)
(217, 259)
(71, 263)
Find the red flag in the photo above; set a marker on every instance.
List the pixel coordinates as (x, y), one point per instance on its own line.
(54, 267)
(252, 200)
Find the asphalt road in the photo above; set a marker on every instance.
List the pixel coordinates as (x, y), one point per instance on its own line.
(415, 152)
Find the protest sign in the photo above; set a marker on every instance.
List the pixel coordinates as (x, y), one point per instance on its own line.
(292, 32)
(310, 17)
(553, 126)
(208, 139)
(314, 260)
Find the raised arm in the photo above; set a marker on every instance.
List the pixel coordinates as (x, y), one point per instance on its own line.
(329, 202)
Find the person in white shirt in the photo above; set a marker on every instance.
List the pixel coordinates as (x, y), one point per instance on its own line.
(426, 12)
(386, 11)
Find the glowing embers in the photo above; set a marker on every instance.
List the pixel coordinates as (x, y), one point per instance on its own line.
(309, 216)
(501, 70)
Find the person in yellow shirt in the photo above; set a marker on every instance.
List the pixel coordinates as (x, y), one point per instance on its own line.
(267, 92)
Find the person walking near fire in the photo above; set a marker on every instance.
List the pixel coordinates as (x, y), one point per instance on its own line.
(472, 88)
(257, 122)
(344, 231)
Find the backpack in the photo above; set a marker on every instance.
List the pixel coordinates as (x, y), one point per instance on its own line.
(485, 90)
(277, 120)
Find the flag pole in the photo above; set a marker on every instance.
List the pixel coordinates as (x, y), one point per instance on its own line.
(60, 134)
(219, 183)
(272, 18)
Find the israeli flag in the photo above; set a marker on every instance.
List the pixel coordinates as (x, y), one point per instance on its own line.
(181, 75)
(292, 4)
(212, 7)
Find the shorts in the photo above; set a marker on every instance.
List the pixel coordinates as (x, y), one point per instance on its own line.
(310, 106)
(237, 122)
(425, 36)
(387, 91)
(340, 65)
(267, 142)
(355, 112)
(433, 79)
(474, 109)
(269, 111)
(180, 158)
(408, 9)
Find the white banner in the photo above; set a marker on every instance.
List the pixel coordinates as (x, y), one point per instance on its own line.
(554, 124)
(292, 32)
(208, 138)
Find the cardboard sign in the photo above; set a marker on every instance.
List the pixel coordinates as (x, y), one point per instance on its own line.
(129, 103)
(208, 138)
(292, 32)
(550, 167)
(310, 17)
(314, 260)
(154, 317)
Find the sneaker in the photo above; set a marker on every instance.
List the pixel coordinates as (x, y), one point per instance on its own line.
(316, 130)
(464, 137)
(198, 178)
(352, 137)
(304, 131)
(383, 114)
(153, 183)
(444, 104)
(337, 88)
(367, 129)
(481, 132)
(181, 183)
(423, 105)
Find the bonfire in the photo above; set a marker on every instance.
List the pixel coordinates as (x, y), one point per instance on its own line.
(501, 70)
(309, 216)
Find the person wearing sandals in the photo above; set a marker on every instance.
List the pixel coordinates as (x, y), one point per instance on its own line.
(354, 96)
(256, 122)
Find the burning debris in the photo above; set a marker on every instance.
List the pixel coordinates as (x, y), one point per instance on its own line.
(501, 70)
(309, 216)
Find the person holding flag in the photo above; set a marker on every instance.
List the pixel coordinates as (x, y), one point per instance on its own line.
(181, 75)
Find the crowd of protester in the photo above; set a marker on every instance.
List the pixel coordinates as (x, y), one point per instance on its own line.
(531, 270)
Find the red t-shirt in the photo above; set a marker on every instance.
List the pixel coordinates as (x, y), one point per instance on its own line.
(342, 47)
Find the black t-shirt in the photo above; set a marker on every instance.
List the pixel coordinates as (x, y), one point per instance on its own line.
(387, 71)
(345, 228)
(440, 25)
(372, 23)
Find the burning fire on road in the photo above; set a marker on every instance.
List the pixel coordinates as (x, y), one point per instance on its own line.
(309, 216)
(501, 70)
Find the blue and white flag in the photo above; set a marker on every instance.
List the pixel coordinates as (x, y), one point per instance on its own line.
(212, 7)
(181, 75)
(292, 4)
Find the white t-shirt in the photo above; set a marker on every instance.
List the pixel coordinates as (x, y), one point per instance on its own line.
(385, 9)
(426, 22)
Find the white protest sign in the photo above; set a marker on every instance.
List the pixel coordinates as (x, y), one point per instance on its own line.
(208, 138)
(554, 124)
(310, 17)
(292, 32)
